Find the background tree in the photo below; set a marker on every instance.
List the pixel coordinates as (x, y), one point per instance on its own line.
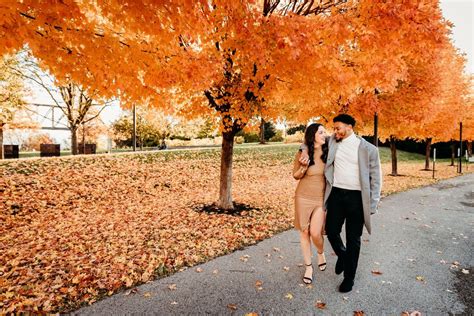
(190, 129)
(12, 93)
(208, 128)
(91, 131)
(75, 101)
(448, 108)
(153, 127)
(294, 129)
(269, 130)
(33, 142)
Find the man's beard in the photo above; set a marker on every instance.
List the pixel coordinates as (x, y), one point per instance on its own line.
(338, 140)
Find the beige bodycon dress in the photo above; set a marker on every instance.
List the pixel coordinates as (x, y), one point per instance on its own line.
(309, 194)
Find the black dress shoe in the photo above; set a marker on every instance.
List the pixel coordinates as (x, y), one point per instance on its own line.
(339, 265)
(346, 286)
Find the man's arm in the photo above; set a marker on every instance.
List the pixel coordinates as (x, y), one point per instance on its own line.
(375, 173)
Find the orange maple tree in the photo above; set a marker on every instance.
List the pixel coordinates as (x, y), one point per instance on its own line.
(234, 60)
(431, 85)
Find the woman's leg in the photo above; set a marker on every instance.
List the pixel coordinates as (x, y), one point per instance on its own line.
(305, 242)
(316, 228)
(316, 232)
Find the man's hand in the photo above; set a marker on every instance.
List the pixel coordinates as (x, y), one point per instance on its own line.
(304, 158)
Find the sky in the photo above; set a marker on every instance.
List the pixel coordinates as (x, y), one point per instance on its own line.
(459, 12)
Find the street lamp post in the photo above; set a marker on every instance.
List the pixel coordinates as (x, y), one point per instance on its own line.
(134, 136)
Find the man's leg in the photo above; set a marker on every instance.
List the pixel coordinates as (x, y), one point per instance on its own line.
(334, 220)
(354, 226)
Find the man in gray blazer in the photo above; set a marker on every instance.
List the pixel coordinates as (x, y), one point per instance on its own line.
(353, 186)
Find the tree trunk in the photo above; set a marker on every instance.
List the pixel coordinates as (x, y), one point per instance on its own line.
(83, 139)
(262, 131)
(427, 153)
(453, 153)
(393, 150)
(225, 193)
(469, 148)
(74, 140)
(2, 153)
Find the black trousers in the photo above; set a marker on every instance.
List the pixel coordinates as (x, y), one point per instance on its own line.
(345, 206)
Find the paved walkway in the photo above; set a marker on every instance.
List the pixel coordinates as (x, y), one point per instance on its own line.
(416, 237)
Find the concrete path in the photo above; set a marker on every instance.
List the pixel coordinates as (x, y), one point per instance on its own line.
(417, 237)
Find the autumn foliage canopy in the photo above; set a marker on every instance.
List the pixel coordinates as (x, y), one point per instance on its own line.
(248, 57)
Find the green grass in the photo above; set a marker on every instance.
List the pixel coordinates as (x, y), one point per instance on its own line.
(385, 155)
(275, 150)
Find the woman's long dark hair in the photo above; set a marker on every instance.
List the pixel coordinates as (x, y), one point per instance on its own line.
(309, 135)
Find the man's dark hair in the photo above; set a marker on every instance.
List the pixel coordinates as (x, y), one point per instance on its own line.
(346, 119)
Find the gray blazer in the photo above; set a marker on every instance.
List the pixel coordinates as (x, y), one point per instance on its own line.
(370, 176)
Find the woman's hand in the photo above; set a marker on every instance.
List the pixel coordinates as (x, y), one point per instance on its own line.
(304, 158)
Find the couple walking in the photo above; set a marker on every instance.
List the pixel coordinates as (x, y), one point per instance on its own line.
(339, 181)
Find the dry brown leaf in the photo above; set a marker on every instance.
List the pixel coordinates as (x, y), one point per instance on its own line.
(172, 287)
(232, 307)
(320, 304)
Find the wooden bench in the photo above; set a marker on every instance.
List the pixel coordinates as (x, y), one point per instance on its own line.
(50, 150)
(88, 149)
(11, 151)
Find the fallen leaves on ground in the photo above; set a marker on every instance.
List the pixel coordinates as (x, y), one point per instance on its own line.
(232, 307)
(172, 287)
(76, 229)
(376, 272)
(320, 304)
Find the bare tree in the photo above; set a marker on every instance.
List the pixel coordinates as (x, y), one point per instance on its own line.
(11, 95)
(72, 99)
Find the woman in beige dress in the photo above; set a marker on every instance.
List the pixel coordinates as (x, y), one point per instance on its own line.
(310, 214)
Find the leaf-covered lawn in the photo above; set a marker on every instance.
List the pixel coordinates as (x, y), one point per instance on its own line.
(75, 229)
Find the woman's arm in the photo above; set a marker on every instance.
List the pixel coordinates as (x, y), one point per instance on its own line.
(299, 169)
